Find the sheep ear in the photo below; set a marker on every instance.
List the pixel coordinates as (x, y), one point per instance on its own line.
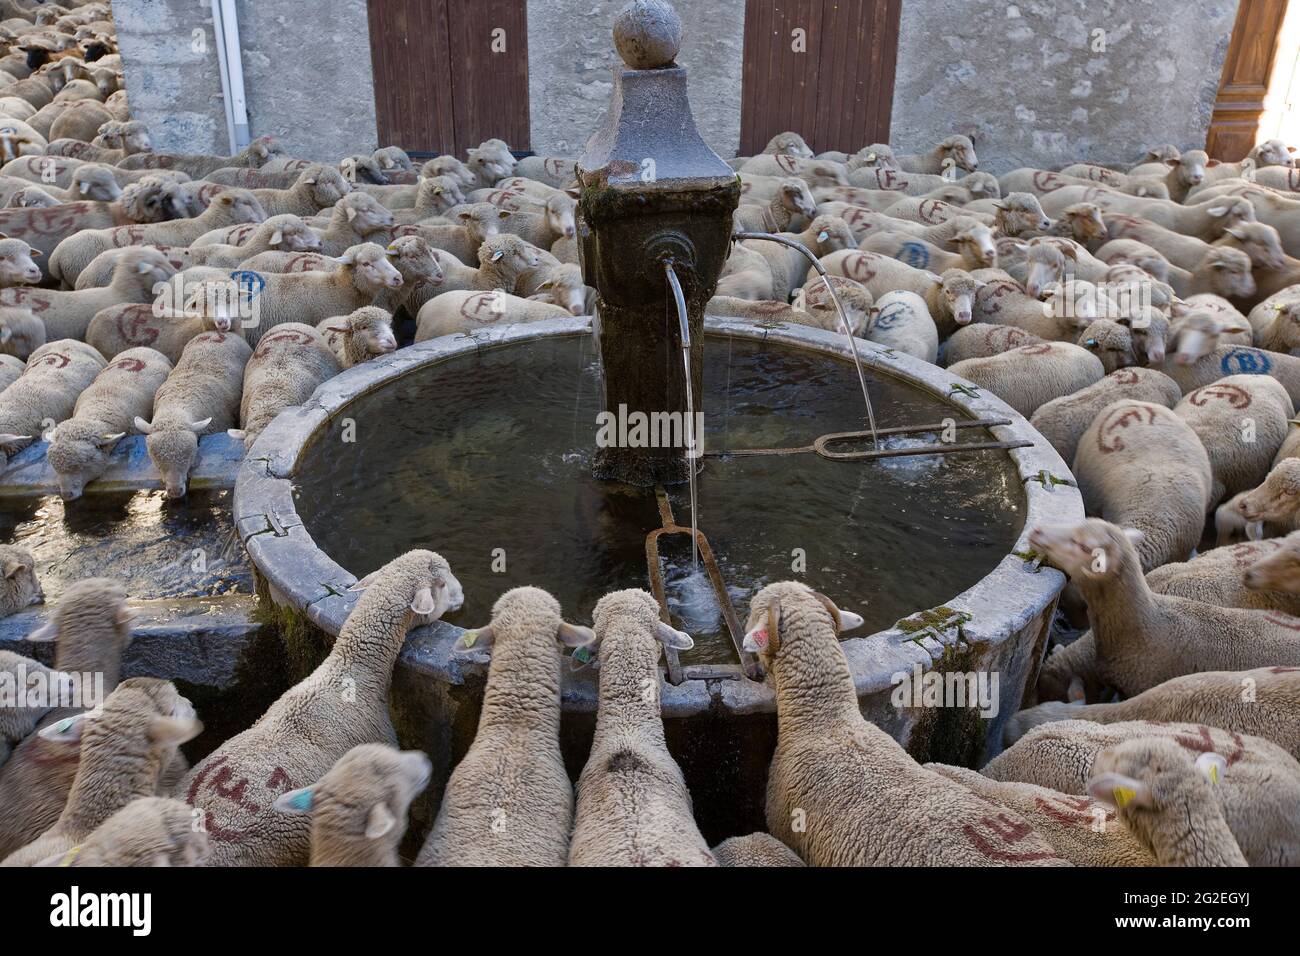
(423, 602)
(765, 632)
(379, 821)
(144, 268)
(1211, 766)
(12, 567)
(575, 635)
(198, 426)
(35, 253)
(173, 730)
(1212, 163)
(1217, 211)
(236, 433)
(844, 620)
(1117, 790)
(352, 213)
(295, 801)
(671, 637)
(69, 729)
(480, 638)
(1171, 163)
(310, 180)
(47, 632)
(1076, 693)
(365, 582)
(142, 426)
(277, 237)
(8, 438)
(109, 438)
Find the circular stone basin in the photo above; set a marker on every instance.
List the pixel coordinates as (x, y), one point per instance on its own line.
(471, 443)
(486, 457)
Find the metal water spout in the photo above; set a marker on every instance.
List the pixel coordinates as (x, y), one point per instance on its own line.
(652, 194)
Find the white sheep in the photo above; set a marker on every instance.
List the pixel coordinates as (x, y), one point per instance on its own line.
(464, 311)
(358, 809)
(948, 297)
(1063, 420)
(1167, 798)
(1141, 638)
(46, 392)
(1258, 793)
(901, 320)
(1242, 421)
(1030, 376)
(1141, 466)
(303, 734)
(1264, 702)
(90, 627)
(509, 801)
(755, 849)
(359, 337)
(812, 307)
(149, 831)
(956, 151)
(124, 390)
(200, 397)
(841, 791)
(19, 586)
(125, 743)
(633, 808)
(21, 713)
(21, 334)
(982, 340)
(288, 364)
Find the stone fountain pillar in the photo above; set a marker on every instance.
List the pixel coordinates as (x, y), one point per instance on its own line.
(652, 192)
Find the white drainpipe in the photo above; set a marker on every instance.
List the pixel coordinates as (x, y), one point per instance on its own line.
(225, 24)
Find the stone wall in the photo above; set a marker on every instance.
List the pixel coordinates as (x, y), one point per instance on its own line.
(570, 53)
(1035, 81)
(309, 84)
(1039, 86)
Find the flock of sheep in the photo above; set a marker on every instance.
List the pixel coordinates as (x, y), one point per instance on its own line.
(1143, 320)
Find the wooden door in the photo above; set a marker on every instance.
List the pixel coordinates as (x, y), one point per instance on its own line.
(450, 73)
(1247, 68)
(822, 68)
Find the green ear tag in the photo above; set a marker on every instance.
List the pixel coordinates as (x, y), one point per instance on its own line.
(582, 654)
(468, 639)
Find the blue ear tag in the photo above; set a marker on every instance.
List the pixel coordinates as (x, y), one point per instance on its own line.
(64, 725)
(582, 655)
(301, 800)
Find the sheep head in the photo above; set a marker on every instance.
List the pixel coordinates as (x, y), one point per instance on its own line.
(1145, 187)
(561, 209)
(364, 214)
(288, 233)
(1260, 241)
(393, 157)
(448, 166)
(508, 255)
(1277, 499)
(79, 453)
(1110, 342)
(1190, 167)
(1230, 211)
(438, 194)
(371, 330)
(1018, 213)
(1279, 571)
(629, 621)
(238, 206)
(96, 182)
(415, 260)
(17, 266)
(1093, 550)
(371, 270)
(788, 144)
(1084, 222)
(426, 576)
(1273, 152)
(1229, 271)
(957, 293)
(92, 610)
(526, 614)
(1198, 335)
(482, 220)
(1151, 775)
(1159, 154)
(565, 287)
(172, 450)
(18, 581)
(976, 241)
(366, 795)
(801, 609)
(961, 151)
(324, 185)
(135, 138)
(827, 234)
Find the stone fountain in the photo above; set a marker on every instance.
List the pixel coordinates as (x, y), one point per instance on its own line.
(653, 194)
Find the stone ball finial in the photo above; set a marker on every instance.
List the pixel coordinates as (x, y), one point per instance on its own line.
(648, 34)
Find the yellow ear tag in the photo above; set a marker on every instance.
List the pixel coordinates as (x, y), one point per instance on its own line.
(1213, 773)
(1122, 796)
(469, 638)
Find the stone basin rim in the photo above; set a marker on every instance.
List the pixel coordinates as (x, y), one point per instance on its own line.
(300, 575)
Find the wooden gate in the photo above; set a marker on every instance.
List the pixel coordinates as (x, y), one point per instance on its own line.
(822, 68)
(450, 73)
(1243, 87)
